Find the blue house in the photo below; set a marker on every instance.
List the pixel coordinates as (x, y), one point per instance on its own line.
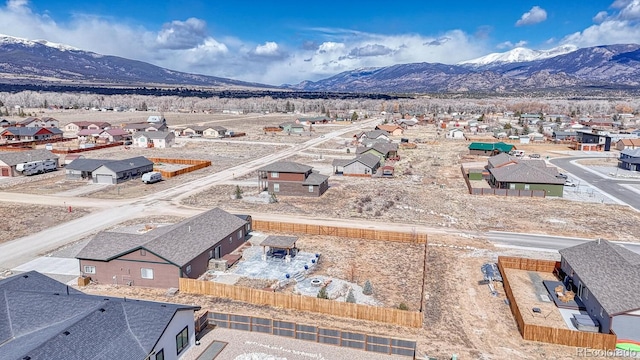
(629, 159)
(606, 278)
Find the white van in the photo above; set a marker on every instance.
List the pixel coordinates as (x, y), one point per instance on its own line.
(517, 153)
(151, 177)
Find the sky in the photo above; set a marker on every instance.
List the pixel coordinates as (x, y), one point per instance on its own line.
(286, 42)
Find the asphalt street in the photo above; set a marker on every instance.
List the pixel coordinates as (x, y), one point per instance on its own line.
(536, 242)
(609, 186)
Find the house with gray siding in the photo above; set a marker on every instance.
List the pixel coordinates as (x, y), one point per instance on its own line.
(41, 318)
(117, 171)
(362, 165)
(629, 159)
(160, 257)
(606, 277)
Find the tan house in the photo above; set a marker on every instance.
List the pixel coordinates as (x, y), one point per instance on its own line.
(160, 257)
(45, 122)
(76, 126)
(157, 139)
(114, 135)
(214, 132)
(393, 130)
(628, 144)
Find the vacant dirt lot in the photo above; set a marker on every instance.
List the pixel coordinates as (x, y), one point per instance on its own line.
(20, 220)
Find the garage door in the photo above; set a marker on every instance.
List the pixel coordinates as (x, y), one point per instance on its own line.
(104, 179)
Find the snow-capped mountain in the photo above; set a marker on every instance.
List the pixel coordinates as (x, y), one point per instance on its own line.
(41, 61)
(600, 67)
(520, 54)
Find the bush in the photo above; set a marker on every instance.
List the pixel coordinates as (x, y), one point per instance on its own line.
(367, 289)
(403, 306)
(322, 294)
(351, 298)
(238, 192)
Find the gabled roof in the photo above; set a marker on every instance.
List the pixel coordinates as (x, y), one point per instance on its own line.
(373, 134)
(28, 121)
(81, 164)
(527, 172)
(388, 128)
(41, 318)
(127, 164)
(500, 146)
(179, 243)
(500, 159)
(216, 128)
(155, 135)
(631, 152)
(315, 179)
(30, 131)
(609, 271)
(382, 147)
(291, 124)
(368, 160)
(286, 167)
(100, 124)
(18, 157)
(630, 142)
(116, 132)
(90, 132)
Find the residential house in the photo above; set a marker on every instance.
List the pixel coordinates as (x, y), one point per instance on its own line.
(507, 172)
(292, 127)
(380, 135)
(629, 159)
(391, 129)
(564, 135)
(383, 150)
(82, 168)
(315, 120)
(42, 318)
(157, 139)
(489, 149)
(115, 135)
(30, 133)
(160, 257)
(599, 122)
(4, 123)
(362, 165)
(592, 141)
(456, 133)
(148, 127)
(194, 130)
(76, 126)
(407, 123)
(606, 278)
(524, 139)
(117, 171)
(214, 132)
(628, 144)
(156, 119)
(45, 122)
(90, 135)
(290, 178)
(9, 160)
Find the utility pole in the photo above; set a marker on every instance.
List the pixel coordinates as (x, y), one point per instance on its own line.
(424, 275)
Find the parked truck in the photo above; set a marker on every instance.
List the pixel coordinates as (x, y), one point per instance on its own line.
(151, 177)
(37, 167)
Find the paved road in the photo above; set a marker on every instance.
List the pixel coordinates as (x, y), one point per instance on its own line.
(612, 187)
(536, 242)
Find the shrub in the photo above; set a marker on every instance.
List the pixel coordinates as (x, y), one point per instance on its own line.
(322, 294)
(238, 192)
(403, 306)
(367, 289)
(351, 298)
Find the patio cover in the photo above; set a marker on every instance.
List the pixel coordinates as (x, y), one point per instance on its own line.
(280, 242)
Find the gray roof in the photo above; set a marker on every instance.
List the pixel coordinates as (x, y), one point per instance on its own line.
(12, 158)
(609, 271)
(382, 147)
(29, 131)
(368, 160)
(341, 162)
(282, 242)
(128, 164)
(528, 172)
(286, 167)
(217, 128)
(41, 318)
(155, 134)
(81, 164)
(375, 134)
(500, 159)
(179, 243)
(315, 179)
(631, 152)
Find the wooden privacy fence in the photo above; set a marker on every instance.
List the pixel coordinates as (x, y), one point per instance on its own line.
(304, 303)
(408, 237)
(548, 334)
(194, 165)
(96, 147)
(361, 341)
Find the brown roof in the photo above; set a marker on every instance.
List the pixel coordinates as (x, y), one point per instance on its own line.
(388, 128)
(286, 167)
(280, 242)
(631, 142)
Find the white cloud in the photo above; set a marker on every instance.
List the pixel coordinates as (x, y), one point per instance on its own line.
(269, 48)
(600, 17)
(17, 5)
(631, 11)
(510, 45)
(618, 27)
(182, 34)
(534, 16)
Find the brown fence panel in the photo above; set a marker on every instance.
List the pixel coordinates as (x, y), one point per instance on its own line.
(194, 165)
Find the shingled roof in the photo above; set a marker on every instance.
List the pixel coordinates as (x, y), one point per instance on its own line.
(41, 318)
(179, 243)
(128, 164)
(609, 271)
(527, 171)
(12, 158)
(315, 179)
(286, 167)
(81, 164)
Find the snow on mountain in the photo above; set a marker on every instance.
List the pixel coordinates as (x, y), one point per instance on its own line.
(520, 54)
(7, 40)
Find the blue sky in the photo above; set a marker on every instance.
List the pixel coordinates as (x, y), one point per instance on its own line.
(284, 41)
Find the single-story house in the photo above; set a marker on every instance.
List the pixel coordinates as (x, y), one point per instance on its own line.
(292, 127)
(89, 134)
(489, 149)
(507, 172)
(45, 122)
(214, 132)
(606, 278)
(114, 135)
(82, 168)
(629, 159)
(373, 135)
(194, 130)
(315, 120)
(455, 133)
(392, 129)
(7, 123)
(9, 160)
(362, 165)
(160, 257)
(148, 127)
(290, 178)
(30, 133)
(117, 171)
(628, 144)
(76, 126)
(42, 318)
(70, 157)
(383, 150)
(157, 139)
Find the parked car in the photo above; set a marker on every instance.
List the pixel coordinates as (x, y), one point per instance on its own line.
(534, 156)
(564, 176)
(569, 183)
(128, 142)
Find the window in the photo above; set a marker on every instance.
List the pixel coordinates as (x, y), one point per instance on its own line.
(239, 234)
(143, 252)
(188, 269)
(275, 174)
(276, 187)
(210, 254)
(230, 239)
(182, 340)
(601, 310)
(160, 355)
(512, 186)
(310, 188)
(146, 273)
(526, 186)
(217, 251)
(89, 269)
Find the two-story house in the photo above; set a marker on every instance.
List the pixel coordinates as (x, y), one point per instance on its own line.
(290, 178)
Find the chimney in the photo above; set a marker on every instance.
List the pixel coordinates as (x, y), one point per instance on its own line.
(189, 228)
(598, 241)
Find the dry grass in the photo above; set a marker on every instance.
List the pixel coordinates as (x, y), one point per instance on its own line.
(33, 219)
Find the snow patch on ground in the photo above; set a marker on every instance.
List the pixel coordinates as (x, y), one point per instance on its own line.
(337, 289)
